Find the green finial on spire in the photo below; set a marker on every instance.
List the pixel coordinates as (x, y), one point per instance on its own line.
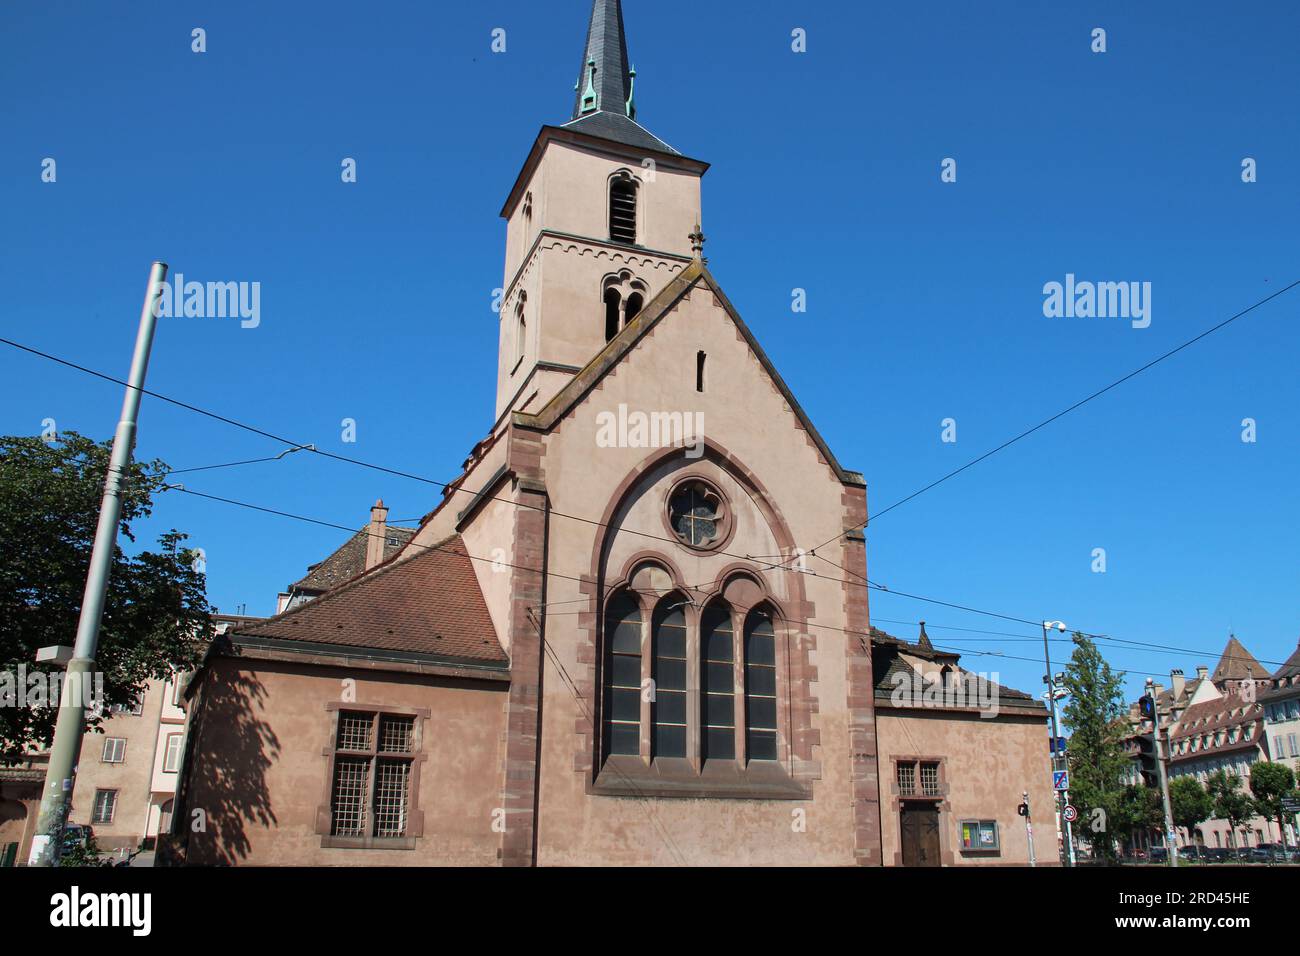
(631, 93)
(589, 98)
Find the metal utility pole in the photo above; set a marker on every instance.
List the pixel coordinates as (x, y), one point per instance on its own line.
(60, 776)
(1061, 798)
(1171, 836)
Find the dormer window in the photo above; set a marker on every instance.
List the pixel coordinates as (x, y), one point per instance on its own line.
(622, 209)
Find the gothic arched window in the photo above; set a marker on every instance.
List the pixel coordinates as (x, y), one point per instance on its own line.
(718, 683)
(622, 209)
(622, 730)
(521, 330)
(760, 685)
(668, 710)
(613, 305)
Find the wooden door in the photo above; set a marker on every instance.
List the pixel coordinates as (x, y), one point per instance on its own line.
(919, 825)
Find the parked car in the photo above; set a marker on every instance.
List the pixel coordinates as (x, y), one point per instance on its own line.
(76, 835)
(1216, 854)
(1159, 854)
(1193, 854)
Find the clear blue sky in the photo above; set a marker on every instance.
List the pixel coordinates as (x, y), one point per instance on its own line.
(924, 298)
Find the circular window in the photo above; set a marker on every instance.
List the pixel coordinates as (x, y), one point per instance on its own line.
(697, 514)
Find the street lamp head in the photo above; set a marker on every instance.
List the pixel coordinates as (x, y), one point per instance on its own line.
(1058, 625)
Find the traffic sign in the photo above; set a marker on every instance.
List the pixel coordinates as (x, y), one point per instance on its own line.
(1060, 780)
(1070, 813)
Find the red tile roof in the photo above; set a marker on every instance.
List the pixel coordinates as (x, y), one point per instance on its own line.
(349, 560)
(428, 604)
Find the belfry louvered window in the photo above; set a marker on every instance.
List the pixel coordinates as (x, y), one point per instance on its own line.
(622, 209)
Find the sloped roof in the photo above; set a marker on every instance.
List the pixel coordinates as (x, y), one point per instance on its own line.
(350, 559)
(1290, 667)
(650, 315)
(429, 604)
(887, 665)
(1219, 713)
(1237, 663)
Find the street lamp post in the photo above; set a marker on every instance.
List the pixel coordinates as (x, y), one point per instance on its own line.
(1061, 797)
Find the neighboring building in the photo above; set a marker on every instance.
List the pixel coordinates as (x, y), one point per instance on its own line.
(126, 775)
(1281, 703)
(372, 545)
(589, 653)
(1215, 722)
(938, 794)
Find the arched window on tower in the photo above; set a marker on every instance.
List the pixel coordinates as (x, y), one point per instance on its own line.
(622, 723)
(668, 711)
(760, 685)
(717, 678)
(521, 329)
(623, 297)
(622, 208)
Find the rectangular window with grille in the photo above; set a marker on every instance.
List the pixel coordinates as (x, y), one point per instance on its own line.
(622, 210)
(370, 793)
(907, 779)
(929, 779)
(105, 805)
(114, 750)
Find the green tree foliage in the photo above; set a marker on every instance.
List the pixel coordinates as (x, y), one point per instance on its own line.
(1231, 803)
(1095, 715)
(1137, 810)
(1269, 784)
(1190, 804)
(155, 613)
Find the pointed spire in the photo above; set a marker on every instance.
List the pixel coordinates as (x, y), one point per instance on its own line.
(924, 639)
(1237, 664)
(605, 81)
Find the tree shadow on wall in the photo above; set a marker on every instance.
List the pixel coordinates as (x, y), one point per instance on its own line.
(230, 751)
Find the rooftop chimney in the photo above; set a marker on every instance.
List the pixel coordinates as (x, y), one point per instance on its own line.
(1202, 672)
(1177, 682)
(377, 534)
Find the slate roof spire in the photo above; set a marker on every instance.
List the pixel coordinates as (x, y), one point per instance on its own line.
(605, 79)
(603, 103)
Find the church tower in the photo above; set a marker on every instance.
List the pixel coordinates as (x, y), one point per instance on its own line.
(600, 219)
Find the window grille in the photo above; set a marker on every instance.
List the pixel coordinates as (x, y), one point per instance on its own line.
(354, 731)
(907, 779)
(351, 777)
(930, 779)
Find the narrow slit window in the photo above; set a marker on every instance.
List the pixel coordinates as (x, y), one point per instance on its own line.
(622, 210)
(699, 371)
(633, 307)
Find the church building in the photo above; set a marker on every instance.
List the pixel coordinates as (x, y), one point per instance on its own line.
(635, 630)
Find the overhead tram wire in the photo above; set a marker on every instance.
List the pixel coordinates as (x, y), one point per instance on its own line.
(1061, 414)
(784, 562)
(1164, 648)
(569, 577)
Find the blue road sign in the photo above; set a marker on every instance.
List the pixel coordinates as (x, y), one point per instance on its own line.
(1060, 780)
